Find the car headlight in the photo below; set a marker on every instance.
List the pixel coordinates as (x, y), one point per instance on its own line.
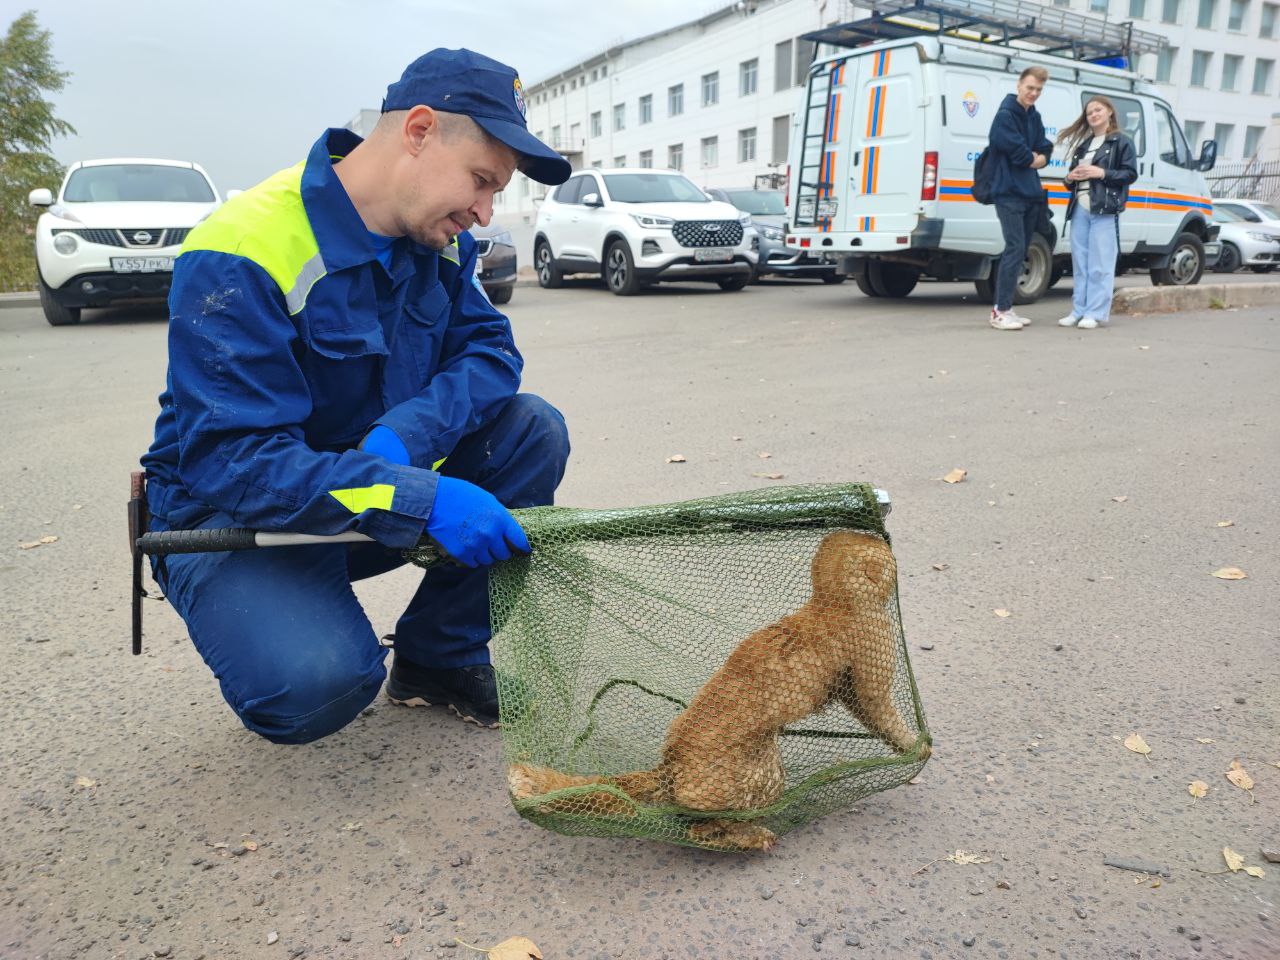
(65, 243)
(504, 237)
(770, 233)
(744, 219)
(652, 222)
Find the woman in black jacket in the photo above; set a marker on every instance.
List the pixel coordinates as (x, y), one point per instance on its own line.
(1103, 164)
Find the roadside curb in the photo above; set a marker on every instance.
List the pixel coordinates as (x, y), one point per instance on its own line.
(20, 298)
(1204, 296)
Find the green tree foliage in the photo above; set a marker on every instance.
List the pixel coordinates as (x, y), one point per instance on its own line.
(27, 127)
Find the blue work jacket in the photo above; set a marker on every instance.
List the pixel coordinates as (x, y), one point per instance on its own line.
(288, 341)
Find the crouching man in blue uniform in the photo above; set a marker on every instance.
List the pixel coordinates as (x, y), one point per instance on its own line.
(335, 365)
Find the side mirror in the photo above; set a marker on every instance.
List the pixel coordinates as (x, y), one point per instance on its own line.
(233, 193)
(1208, 155)
(592, 200)
(40, 197)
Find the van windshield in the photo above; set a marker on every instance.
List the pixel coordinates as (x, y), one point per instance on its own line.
(652, 188)
(137, 181)
(758, 203)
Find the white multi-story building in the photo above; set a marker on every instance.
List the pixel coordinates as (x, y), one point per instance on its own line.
(714, 97)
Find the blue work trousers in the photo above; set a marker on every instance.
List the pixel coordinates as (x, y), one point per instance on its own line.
(1018, 219)
(1095, 244)
(282, 630)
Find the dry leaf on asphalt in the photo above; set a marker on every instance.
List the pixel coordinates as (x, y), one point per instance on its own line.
(86, 782)
(1239, 777)
(1235, 863)
(676, 458)
(1230, 573)
(763, 455)
(37, 543)
(513, 948)
(1226, 523)
(955, 476)
(250, 845)
(352, 825)
(965, 858)
(1135, 743)
(1119, 499)
(1001, 613)
(1205, 740)
(941, 566)
(769, 476)
(1197, 788)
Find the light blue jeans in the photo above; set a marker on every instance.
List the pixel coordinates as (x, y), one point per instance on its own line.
(1094, 247)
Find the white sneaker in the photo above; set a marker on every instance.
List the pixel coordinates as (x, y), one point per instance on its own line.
(1006, 320)
(1070, 320)
(1088, 323)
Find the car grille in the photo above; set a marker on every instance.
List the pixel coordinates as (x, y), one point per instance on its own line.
(484, 247)
(159, 236)
(695, 233)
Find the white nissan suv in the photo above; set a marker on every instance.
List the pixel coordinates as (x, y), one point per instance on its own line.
(637, 227)
(114, 230)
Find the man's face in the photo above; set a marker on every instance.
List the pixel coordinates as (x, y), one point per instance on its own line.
(451, 184)
(1029, 90)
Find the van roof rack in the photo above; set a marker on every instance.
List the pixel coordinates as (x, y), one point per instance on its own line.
(1043, 29)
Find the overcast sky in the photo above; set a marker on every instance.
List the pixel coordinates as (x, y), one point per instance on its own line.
(243, 87)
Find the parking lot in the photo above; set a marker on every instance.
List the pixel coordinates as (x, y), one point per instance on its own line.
(1109, 474)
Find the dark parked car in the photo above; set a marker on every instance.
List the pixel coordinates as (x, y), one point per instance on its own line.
(496, 262)
(768, 211)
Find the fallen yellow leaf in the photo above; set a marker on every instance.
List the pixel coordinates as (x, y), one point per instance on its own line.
(1205, 740)
(768, 476)
(1001, 613)
(1230, 573)
(1198, 788)
(1226, 523)
(763, 455)
(965, 858)
(1235, 863)
(250, 845)
(956, 475)
(676, 458)
(1135, 743)
(86, 782)
(513, 948)
(1119, 499)
(1239, 777)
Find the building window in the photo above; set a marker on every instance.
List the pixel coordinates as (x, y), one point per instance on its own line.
(1164, 64)
(1262, 75)
(1200, 60)
(597, 126)
(646, 158)
(1169, 11)
(1252, 137)
(619, 116)
(675, 100)
(781, 134)
(747, 145)
(1194, 129)
(596, 164)
(1222, 133)
(1235, 18)
(782, 66)
(710, 151)
(710, 88)
(1137, 9)
(646, 108)
(620, 160)
(1267, 25)
(595, 75)
(804, 58)
(748, 72)
(573, 84)
(1231, 71)
(1098, 6)
(575, 136)
(675, 156)
(1204, 19)
(604, 71)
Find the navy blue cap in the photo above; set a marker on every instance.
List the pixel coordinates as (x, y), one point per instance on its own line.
(489, 92)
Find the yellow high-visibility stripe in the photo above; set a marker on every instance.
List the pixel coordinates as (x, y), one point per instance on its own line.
(451, 252)
(360, 499)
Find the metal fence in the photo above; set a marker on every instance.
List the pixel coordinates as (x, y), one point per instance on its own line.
(1246, 180)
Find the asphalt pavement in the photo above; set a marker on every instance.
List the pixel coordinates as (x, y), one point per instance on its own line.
(1110, 473)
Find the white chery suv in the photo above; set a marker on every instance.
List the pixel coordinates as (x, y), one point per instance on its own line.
(114, 231)
(638, 227)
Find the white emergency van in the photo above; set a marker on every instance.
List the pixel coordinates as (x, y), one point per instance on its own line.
(881, 166)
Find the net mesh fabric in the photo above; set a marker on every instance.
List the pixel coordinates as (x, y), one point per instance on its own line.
(709, 673)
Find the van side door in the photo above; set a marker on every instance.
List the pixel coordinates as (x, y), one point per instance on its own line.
(1179, 188)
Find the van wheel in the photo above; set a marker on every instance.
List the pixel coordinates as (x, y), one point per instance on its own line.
(56, 313)
(1034, 281)
(892, 279)
(863, 280)
(833, 278)
(730, 284)
(1228, 260)
(549, 275)
(500, 296)
(620, 270)
(1186, 263)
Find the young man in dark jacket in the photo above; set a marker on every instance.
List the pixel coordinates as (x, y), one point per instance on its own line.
(1019, 148)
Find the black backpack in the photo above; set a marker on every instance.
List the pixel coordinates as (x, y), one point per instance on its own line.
(983, 175)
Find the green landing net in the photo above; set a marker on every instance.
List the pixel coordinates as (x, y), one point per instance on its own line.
(709, 673)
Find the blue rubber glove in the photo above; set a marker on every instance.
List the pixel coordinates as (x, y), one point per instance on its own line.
(384, 442)
(472, 526)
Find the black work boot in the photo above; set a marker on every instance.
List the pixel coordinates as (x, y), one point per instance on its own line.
(470, 692)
